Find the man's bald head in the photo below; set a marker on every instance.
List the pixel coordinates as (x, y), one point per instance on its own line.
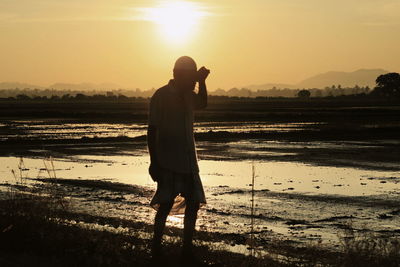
(185, 63)
(185, 73)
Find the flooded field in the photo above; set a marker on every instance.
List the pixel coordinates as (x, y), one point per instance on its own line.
(322, 169)
(306, 190)
(43, 130)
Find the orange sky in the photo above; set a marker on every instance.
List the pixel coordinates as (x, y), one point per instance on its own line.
(242, 42)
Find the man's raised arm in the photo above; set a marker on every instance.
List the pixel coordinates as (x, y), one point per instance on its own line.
(202, 95)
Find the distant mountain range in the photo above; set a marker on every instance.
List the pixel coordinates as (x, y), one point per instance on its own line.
(62, 86)
(362, 77)
(85, 86)
(12, 85)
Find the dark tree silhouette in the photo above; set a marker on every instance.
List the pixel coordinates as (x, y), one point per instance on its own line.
(387, 85)
(80, 96)
(23, 97)
(303, 94)
(66, 97)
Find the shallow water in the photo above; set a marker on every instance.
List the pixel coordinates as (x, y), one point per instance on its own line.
(298, 201)
(274, 176)
(297, 195)
(39, 129)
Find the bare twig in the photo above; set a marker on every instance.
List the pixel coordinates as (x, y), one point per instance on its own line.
(252, 210)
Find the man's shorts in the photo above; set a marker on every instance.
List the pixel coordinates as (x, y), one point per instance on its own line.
(178, 188)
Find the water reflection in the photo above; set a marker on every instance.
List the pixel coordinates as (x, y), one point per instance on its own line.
(274, 176)
(298, 200)
(55, 130)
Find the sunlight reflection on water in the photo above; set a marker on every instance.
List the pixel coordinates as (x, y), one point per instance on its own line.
(280, 191)
(271, 175)
(47, 130)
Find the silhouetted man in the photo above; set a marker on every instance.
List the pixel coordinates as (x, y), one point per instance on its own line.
(172, 151)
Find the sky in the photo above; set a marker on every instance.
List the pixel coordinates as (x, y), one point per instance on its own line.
(134, 43)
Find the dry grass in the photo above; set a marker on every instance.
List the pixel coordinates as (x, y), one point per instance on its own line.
(369, 249)
(35, 232)
(37, 228)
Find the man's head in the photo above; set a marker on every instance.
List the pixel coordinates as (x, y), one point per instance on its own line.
(185, 73)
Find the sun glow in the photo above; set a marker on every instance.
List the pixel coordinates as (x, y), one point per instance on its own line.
(177, 21)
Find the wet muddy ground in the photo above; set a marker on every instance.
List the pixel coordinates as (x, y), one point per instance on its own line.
(294, 200)
(314, 180)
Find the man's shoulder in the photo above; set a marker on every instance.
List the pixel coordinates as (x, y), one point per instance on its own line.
(161, 91)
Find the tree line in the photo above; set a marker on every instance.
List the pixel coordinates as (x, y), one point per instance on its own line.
(387, 86)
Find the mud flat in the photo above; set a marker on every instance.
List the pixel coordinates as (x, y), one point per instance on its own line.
(324, 173)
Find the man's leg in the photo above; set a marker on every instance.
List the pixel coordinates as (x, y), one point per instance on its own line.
(159, 225)
(189, 225)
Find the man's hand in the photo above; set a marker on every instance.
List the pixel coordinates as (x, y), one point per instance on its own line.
(202, 74)
(155, 172)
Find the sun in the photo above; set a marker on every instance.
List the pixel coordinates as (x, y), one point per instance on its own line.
(177, 21)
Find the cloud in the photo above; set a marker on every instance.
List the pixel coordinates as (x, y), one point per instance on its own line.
(150, 13)
(24, 11)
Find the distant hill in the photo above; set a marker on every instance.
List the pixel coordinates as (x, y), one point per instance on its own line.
(256, 87)
(362, 77)
(13, 85)
(62, 86)
(84, 86)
